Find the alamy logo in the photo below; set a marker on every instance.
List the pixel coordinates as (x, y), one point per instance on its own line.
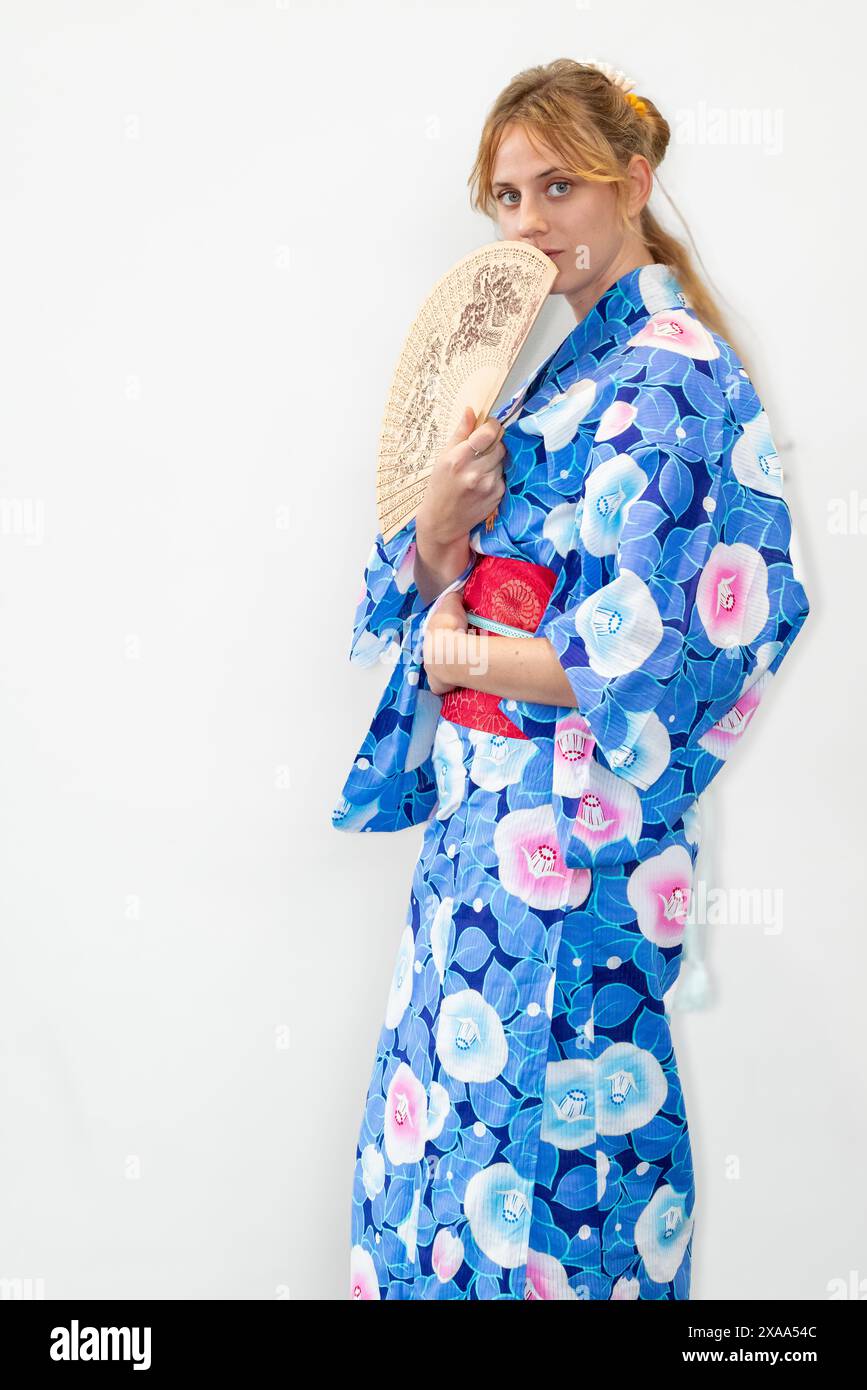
(102, 1344)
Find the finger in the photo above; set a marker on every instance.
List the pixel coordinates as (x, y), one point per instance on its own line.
(487, 434)
(464, 426)
(494, 490)
(488, 462)
(491, 461)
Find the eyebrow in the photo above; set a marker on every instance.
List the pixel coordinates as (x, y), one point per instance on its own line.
(544, 174)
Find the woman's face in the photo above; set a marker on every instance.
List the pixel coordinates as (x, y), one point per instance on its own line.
(573, 220)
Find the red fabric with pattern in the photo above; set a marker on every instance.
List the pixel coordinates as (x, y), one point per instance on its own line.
(509, 591)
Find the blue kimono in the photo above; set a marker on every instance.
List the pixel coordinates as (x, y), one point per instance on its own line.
(524, 1133)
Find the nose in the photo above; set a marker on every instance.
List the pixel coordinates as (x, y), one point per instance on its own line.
(531, 222)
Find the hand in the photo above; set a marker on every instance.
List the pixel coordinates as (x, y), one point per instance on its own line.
(449, 616)
(462, 489)
(450, 613)
(437, 686)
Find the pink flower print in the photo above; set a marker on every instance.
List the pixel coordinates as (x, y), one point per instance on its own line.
(609, 810)
(573, 754)
(659, 891)
(722, 736)
(546, 1278)
(405, 1117)
(363, 1283)
(617, 418)
(678, 331)
(530, 863)
(448, 1255)
(732, 594)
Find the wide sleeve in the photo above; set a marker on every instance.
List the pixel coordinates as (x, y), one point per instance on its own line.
(682, 602)
(391, 783)
(389, 599)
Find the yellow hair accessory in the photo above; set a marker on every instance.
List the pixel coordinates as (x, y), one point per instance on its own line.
(635, 101)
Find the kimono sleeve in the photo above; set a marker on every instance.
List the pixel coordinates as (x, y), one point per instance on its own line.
(686, 602)
(389, 599)
(392, 783)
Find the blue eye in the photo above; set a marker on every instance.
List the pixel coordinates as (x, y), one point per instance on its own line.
(557, 183)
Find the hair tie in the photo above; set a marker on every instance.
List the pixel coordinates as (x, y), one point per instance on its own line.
(637, 104)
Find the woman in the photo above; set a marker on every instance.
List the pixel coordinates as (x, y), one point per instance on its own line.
(569, 682)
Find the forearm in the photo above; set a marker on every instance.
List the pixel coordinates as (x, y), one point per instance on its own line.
(436, 565)
(515, 668)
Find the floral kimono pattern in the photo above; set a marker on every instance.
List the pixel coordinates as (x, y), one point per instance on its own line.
(524, 1133)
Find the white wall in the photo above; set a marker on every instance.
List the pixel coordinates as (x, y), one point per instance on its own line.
(217, 222)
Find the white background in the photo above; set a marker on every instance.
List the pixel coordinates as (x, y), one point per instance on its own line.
(217, 222)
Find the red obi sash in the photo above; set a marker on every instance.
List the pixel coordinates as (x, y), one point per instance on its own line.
(515, 592)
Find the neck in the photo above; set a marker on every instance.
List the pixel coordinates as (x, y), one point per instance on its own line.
(628, 258)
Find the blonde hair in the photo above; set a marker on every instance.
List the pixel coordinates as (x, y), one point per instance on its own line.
(595, 128)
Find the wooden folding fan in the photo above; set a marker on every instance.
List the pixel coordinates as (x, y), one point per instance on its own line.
(458, 352)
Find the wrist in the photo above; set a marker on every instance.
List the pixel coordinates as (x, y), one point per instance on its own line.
(438, 563)
(434, 541)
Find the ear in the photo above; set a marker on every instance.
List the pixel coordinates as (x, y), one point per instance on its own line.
(640, 187)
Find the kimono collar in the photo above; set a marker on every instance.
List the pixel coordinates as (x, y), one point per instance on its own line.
(616, 316)
(646, 290)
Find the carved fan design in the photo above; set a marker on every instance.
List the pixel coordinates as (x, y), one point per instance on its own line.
(458, 352)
